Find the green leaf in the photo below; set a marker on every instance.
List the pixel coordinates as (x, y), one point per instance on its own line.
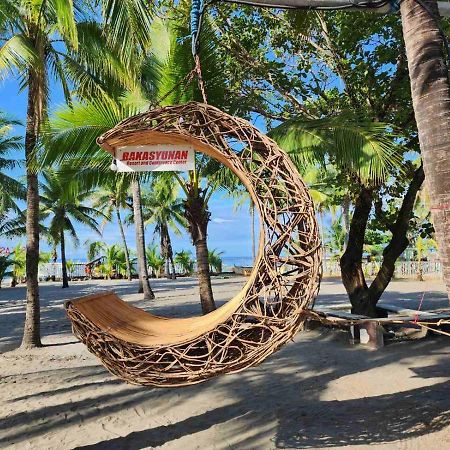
(18, 53)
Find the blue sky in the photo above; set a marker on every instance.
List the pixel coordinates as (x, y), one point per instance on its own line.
(229, 230)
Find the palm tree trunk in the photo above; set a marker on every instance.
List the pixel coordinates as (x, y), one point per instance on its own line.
(140, 242)
(430, 91)
(172, 266)
(124, 241)
(204, 277)
(35, 113)
(165, 242)
(54, 259)
(173, 275)
(65, 278)
(198, 218)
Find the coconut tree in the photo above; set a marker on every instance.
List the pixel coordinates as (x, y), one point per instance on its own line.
(114, 262)
(154, 260)
(75, 129)
(63, 202)
(40, 40)
(215, 260)
(366, 152)
(6, 264)
(18, 271)
(144, 284)
(184, 259)
(111, 198)
(163, 209)
(10, 188)
(427, 57)
(94, 249)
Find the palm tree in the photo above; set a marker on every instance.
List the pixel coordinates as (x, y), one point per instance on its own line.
(367, 153)
(94, 249)
(32, 33)
(111, 199)
(162, 208)
(215, 260)
(428, 70)
(10, 188)
(18, 271)
(114, 262)
(184, 259)
(75, 129)
(144, 284)
(62, 201)
(335, 238)
(154, 261)
(6, 262)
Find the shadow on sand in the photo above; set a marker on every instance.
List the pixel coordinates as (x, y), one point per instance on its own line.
(285, 394)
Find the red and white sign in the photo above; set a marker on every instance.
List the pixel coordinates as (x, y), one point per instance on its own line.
(149, 158)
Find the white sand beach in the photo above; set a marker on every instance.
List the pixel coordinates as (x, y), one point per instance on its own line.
(317, 392)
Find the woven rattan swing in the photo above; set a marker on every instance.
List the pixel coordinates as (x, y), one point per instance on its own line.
(145, 349)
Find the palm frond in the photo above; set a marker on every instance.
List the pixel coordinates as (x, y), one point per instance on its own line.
(369, 150)
(18, 53)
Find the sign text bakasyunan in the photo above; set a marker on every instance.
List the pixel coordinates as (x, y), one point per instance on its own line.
(147, 158)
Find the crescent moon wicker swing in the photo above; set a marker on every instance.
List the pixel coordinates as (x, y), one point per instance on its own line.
(145, 349)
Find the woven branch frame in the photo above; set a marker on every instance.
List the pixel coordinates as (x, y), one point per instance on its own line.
(285, 277)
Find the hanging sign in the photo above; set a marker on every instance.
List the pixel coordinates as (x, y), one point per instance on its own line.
(161, 157)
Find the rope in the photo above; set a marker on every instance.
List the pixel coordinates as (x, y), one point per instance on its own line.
(197, 8)
(419, 308)
(201, 83)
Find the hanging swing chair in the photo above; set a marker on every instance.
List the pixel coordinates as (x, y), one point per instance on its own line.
(145, 349)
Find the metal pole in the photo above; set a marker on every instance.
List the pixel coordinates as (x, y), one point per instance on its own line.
(380, 7)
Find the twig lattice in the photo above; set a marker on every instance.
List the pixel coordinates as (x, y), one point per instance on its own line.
(285, 277)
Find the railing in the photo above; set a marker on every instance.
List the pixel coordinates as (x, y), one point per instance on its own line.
(50, 270)
(403, 269)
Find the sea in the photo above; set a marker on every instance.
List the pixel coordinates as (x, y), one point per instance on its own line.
(230, 261)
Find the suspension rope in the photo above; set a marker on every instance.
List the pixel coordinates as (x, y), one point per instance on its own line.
(197, 10)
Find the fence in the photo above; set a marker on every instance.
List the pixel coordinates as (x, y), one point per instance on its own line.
(50, 270)
(403, 269)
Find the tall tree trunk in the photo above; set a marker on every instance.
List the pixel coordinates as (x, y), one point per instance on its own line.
(163, 248)
(399, 241)
(35, 112)
(124, 242)
(140, 242)
(197, 216)
(351, 261)
(431, 100)
(54, 259)
(173, 275)
(65, 278)
(172, 267)
(363, 298)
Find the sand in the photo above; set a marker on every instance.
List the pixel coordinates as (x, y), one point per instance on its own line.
(317, 392)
